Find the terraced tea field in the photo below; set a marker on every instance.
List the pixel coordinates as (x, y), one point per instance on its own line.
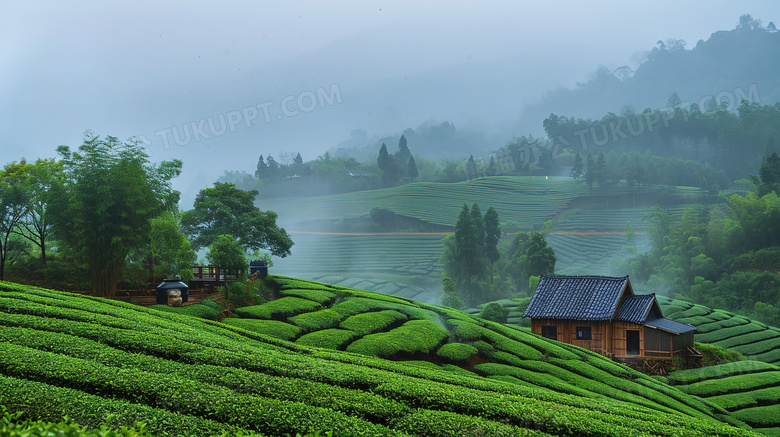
(416, 369)
(750, 390)
(751, 338)
(412, 259)
(527, 200)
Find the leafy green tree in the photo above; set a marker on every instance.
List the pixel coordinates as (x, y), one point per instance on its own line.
(492, 235)
(495, 312)
(577, 170)
(228, 254)
(590, 172)
(261, 172)
(35, 226)
(769, 175)
(450, 295)
(274, 171)
(14, 205)
(170, 252)
(226, 209)
(106, 201)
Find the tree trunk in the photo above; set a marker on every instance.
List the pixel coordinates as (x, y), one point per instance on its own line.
(43, 253)
(151, 267)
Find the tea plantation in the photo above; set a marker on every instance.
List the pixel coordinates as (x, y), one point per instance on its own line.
(318, 357)
(750, 390)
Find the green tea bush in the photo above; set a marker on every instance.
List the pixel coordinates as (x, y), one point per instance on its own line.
(714, 355)
(737, 401)
(320, 296)
(733, 384)
(706, 373)
(195, 310)
(328, 338)
(279, 309)
(758, 336)
(370, 322)
(494, 312)
(759, 416)
(723, 333)
(413, 337)
(456, 352)
(316, 320)
(274, 328)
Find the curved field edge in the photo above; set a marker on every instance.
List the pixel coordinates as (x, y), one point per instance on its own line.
(85, 357)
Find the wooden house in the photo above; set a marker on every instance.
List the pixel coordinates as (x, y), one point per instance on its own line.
(603, 314)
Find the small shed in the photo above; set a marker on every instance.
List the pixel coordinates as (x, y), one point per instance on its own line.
(602, 313)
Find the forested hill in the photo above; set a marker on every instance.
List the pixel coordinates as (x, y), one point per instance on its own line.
(743, 58)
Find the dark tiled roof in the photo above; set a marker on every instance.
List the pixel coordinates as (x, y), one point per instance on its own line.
(576, 297)
(635, 308)
(670, 326)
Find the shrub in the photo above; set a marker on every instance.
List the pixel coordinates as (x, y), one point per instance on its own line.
(494, 312)
(316, 320)
(274, 328)
(195, 310)
(327, 338)
(413, 337)
(320, 296)
(370, 322)
(279, 309)
(456, 352)
(714, 355)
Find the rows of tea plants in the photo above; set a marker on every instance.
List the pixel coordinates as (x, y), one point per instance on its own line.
(363, 255)
(750, 390)
(100, 361)
(751, 338)
(527, 200)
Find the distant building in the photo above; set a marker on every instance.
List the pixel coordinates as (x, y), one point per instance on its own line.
(603, 314)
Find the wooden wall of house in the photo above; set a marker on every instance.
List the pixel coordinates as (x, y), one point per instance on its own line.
(619, 347)
(658, 343)
(601, 332)
(680, 341)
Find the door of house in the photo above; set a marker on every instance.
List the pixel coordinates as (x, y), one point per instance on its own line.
(632, 342)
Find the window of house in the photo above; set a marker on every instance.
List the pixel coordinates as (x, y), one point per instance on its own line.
(550, 332)
(583, 333)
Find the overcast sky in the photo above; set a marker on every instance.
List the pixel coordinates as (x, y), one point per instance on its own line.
(312, 71)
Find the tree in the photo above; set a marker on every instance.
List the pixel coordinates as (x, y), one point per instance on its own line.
(601, 171)
(576, 170)
(492, 235)
(769, 174)
(590, 172)
(225, 209)
(14, 204)
(403, 154)
(35, 225)
(411, 169)
(389, 167)
(228, 254)
(170, 252)
(771, 27)
(273, 168)
(106, 201)
(261, 172)
(467, 247)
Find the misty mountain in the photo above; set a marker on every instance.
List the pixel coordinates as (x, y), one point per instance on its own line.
(743, 61)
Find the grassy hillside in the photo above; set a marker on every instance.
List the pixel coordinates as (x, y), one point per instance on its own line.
(448, 373)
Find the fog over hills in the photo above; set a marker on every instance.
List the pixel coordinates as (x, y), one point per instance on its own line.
(208, 73)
